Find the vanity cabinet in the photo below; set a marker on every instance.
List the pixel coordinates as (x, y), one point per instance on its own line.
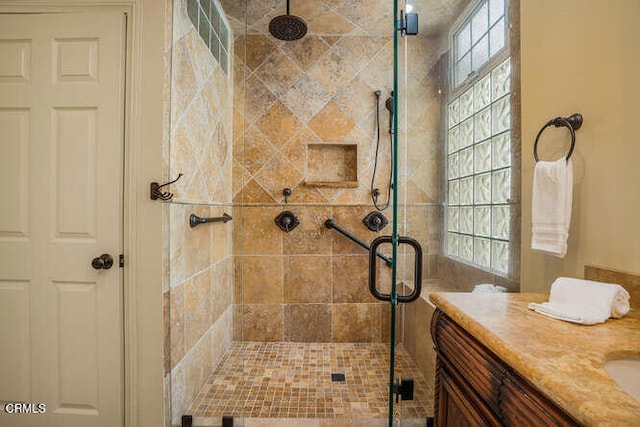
(475, 388)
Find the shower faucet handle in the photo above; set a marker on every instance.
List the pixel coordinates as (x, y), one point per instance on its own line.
(287, 193)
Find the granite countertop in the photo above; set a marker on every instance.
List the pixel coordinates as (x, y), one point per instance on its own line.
(563, 360)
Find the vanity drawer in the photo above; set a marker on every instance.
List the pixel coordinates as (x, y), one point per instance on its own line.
(479, 368)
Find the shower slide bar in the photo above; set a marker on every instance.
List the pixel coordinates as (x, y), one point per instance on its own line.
(330, 224)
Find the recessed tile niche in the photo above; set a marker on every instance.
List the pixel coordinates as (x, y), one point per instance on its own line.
(332, 165)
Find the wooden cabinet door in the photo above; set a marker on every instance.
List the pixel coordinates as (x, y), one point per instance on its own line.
(457, 408)
(523, 406)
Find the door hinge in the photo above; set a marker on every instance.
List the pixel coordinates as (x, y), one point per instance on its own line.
(121, 260)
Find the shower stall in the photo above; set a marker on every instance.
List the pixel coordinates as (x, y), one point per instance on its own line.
(318, 141)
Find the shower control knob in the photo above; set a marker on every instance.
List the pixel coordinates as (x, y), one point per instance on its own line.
(103, 262)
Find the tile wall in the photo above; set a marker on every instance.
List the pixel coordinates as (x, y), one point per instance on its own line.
(310, 285)
(199, 290)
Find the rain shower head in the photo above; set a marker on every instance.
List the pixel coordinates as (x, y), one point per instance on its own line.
(288, 27)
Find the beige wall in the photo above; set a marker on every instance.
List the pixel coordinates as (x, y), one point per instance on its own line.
(584, 56)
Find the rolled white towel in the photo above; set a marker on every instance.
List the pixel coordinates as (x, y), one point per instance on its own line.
(584, 301)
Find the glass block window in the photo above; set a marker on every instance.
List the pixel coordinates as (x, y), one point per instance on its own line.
(479, 171)
(480, 37)
(208, 18)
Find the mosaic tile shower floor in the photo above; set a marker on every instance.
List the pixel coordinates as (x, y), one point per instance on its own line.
(293, 380)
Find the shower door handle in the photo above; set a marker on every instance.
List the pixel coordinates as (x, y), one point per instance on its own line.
(417, 285)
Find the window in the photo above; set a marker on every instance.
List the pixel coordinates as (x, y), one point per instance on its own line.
(207, 17)
(480, 37)
(479, 142)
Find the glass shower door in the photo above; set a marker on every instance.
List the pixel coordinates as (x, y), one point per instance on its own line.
(404, 378)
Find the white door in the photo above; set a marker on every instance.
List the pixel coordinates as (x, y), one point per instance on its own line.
(61, 205)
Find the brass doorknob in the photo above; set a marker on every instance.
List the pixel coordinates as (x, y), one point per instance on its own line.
(103, 262)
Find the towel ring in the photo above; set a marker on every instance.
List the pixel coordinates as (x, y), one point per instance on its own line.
(573, 123)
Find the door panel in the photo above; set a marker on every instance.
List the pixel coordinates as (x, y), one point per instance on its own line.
(61, 159)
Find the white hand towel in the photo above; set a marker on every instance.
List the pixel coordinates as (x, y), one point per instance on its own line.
(584, 301)
(551, 206)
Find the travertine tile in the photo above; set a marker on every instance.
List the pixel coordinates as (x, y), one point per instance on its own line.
(332, 72)
(258, 99)
(307, 279)
(278, 124)
(257, 232)
(262, 279)
(351, 279)
(278, 73)
(277, 174)
(253, 193)
(331, 23)
(262, 322)
(177, 320)
(257, 150)
(198, 309)
(289, 384)
(307, 322)
(305, 98)
(331, 124)
(354, 322)
(258, 48)
(311, 236)
(307, 50)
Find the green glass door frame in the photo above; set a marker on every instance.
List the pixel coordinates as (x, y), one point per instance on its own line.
(394, 233)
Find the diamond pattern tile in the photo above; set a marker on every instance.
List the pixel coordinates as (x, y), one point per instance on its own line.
(257, 150)
(305, 98)
(306, 51)
(332, 73)
(258, 48)
(278, 73)
(331, 124)
(356, 99)
(278, 124)
(277, 174)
